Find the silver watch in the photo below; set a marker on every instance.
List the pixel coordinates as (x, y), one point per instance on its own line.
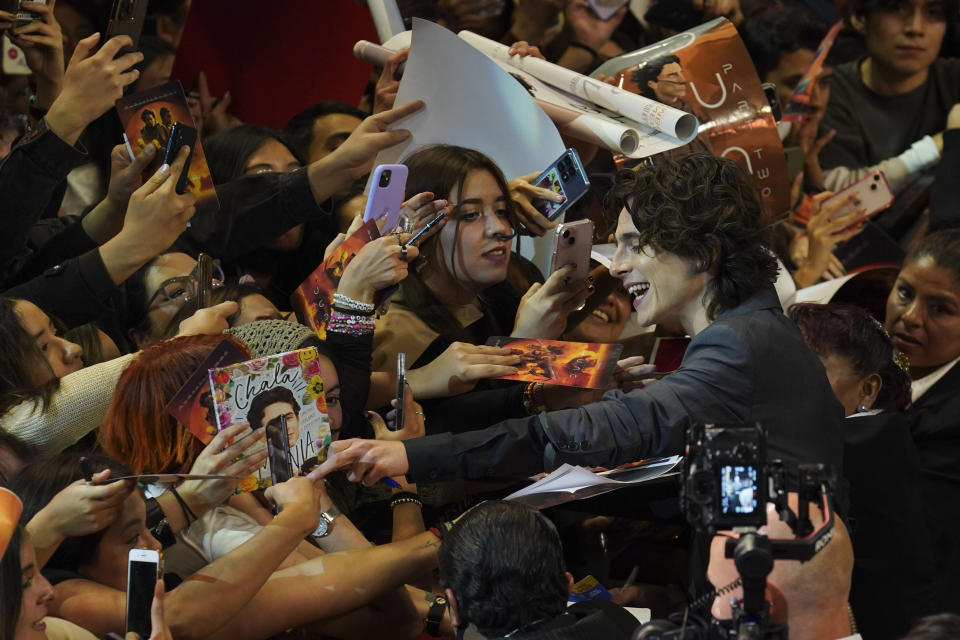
(326, 520)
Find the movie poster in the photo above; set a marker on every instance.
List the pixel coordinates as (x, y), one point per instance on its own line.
(147, 118)
(707, 71)
(573, 364)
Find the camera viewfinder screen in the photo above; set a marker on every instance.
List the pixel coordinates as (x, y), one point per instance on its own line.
(739, 491)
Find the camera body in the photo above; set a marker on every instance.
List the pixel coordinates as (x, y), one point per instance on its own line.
(726, 479)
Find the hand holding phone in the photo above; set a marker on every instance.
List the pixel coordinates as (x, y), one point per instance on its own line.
(567, 177)
(571, 245)
(871, 194)
(126, 19)
(143, 571)
(180, 135)
(387, 186)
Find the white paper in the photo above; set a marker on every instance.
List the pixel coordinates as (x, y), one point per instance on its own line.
(569, 482)
(471, 102)
(676, 123)
(603, 253)
(822, 292)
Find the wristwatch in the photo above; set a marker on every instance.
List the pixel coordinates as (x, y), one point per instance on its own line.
(326, 520)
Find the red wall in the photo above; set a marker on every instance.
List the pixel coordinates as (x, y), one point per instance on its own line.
(277, 59)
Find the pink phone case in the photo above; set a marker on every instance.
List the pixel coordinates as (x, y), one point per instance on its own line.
(873, 193)
(572, 244)
(386, 196)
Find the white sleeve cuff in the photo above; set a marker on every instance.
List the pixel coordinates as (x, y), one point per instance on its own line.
(921, 155)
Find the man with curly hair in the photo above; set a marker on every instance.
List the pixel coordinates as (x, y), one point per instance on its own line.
(691, 251)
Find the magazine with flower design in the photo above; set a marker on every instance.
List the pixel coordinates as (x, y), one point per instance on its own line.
(279, 391)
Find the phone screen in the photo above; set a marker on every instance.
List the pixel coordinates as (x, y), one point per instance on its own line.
(278, 450)
(141, 581)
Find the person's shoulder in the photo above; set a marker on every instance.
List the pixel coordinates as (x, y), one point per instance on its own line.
(60, 629)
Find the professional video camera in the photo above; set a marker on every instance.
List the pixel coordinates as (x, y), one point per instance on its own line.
(727, 485)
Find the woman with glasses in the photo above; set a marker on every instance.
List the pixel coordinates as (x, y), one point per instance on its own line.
(457, 290)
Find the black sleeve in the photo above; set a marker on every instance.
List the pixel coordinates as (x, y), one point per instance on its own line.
(252, 210)
(475, 409)
(52, 241)
(847, 149)
(78, 291)
(352, 355)
(944, 212)
(38, 164)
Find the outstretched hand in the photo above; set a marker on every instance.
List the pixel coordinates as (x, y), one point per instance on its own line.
(356, 155)
(367, 461)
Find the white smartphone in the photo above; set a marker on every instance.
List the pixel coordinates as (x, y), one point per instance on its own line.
(873, 195)
(143, 570)
(387, 187)
(572, 243)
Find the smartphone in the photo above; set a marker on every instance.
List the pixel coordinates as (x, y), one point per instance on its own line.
(278, 450)
(180, 134)
(143, 570)
(566, 177)
(126, 19)
(872, 193)
(606, 9)
(26, 17)
(571, 245)
(386, 195)
(204, 280)
(401, 388)
(773, 98)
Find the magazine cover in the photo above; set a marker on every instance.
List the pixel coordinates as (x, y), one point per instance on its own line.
(313, 299)
(192, 405)
(573, 364)
(260, 391)
(147, 118)
(708, 72)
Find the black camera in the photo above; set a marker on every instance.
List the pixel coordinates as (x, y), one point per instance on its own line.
(725, 475)
(385, 178)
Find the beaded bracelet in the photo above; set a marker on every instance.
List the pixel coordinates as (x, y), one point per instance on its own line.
(405, 497)
(349, 324)
(352, 312)
(533, 398)
(353, 305)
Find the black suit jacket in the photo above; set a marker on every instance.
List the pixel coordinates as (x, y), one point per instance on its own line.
(935, 426)
(750, 365)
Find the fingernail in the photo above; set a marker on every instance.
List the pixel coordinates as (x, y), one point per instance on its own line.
(164, 168)
(557, 197)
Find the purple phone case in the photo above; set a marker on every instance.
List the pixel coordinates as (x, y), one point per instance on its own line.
(385, 201)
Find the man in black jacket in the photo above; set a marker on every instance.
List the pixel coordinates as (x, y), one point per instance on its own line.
(690, 250)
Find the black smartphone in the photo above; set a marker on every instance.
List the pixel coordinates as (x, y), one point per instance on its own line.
(278, 450)
(401, 388)
(143, 568)
(566, 177)
(126, 19)
(180, 134)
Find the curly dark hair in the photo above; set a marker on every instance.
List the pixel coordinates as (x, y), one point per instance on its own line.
(504, 563)
(851, 332)
(707, 210)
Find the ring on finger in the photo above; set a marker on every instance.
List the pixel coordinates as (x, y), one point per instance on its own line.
(403, 252)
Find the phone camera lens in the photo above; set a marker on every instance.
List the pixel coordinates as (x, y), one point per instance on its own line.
(571, 240)
(873, 187)
(385, 178)
(566, 233)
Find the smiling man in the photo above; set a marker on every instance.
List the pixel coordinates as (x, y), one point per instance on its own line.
(690, 250)
(893, 104)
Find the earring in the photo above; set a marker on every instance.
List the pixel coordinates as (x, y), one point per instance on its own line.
(863, 408)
